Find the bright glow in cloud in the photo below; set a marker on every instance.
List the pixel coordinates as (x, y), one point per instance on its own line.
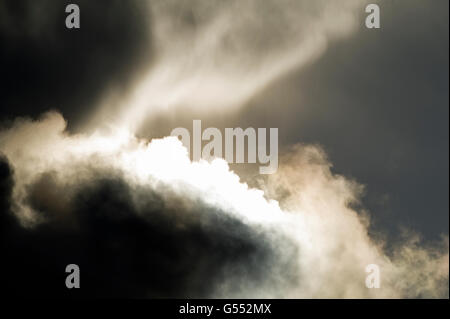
(307, 203)
(217, 54)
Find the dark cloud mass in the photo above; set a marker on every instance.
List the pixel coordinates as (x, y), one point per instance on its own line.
(154, 249)
(46, 66)
(92, 184)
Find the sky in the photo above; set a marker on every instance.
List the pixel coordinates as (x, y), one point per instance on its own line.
(89, 174)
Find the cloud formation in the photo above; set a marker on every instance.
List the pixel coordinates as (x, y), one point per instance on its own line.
(137, 215)
(215, 55)
(142, 220)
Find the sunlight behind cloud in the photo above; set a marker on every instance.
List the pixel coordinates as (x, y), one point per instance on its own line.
(314, 211)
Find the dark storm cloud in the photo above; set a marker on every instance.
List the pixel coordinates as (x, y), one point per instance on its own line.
(377, 101)
(46, 66)
(7, 223)
(157, 248)
(120, 206)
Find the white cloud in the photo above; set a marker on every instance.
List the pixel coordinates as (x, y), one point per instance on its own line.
(307, 203)
(210, 55)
